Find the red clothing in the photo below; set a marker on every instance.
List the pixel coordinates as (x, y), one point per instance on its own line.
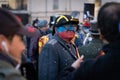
(86, 24)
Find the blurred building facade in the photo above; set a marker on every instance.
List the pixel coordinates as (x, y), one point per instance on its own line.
(43, 9)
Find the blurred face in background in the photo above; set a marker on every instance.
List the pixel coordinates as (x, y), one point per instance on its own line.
(44, 28)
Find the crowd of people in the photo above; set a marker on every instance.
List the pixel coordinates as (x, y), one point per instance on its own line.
(65, 50)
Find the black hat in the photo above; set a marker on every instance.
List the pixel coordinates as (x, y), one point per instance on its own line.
(10, 25)
(42, 23)
(93, 28)
(65, 19)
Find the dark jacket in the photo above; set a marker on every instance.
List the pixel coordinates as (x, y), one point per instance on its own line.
(91, 49)
(33, 49)
(33, 52)
(55, 55)
(7, 69)
(106, 67)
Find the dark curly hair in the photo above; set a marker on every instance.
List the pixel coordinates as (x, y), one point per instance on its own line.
(109, 20)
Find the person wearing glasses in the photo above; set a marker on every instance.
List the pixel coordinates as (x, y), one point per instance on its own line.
(60, 51)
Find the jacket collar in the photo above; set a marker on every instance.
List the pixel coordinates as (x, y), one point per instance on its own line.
(9, 60)
(65, 45)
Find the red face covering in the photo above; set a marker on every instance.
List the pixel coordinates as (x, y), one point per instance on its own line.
(67, 35)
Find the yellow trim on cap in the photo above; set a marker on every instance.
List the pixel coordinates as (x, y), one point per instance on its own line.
(62, 17)
(73, 19)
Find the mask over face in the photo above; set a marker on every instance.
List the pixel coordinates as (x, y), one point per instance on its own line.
(66, 32)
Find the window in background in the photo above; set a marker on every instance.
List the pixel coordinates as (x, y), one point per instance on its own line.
(14, 4)
(55, 4)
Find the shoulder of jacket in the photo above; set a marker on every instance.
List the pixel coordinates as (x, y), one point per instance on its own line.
(52, 41)
(8, 72)
(4, 64)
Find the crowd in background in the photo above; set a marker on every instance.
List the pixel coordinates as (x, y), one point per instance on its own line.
(86, 40)
(64, 49)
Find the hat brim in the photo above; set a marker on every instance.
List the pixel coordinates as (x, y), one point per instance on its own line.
(28, 31)
(70, 22)
(94, 32)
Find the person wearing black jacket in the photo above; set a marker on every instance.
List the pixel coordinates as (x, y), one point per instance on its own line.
(107, 66)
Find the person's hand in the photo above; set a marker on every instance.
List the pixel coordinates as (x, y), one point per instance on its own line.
(76, 64)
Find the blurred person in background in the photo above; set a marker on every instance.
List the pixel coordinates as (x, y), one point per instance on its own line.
(42, 26)
(34, 24)
(91, 49)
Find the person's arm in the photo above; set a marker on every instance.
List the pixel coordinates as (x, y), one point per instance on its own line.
(75, 72)
(77, 63)
(48, 63)
(67, 72)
